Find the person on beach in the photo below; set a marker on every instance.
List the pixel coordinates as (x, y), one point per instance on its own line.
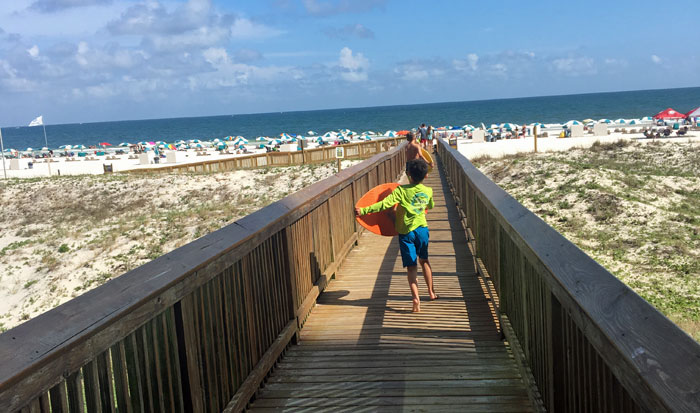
(422, 134)
(412, 199)
(413, 149)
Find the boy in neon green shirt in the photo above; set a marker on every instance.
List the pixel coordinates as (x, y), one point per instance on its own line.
(413, 199)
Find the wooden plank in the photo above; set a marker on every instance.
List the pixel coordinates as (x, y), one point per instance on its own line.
(615, 320)
(66, 338)
(252, 382)
(357, 341)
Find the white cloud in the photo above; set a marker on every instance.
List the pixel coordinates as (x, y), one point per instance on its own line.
(418, 70)
(33, 51)
(353, 67)
(656, 59)
(468, 64)
(329, 7)
(247, 29)
(53, 6)
(575, 66)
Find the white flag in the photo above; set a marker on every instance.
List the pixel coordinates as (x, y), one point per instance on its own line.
(37, 122)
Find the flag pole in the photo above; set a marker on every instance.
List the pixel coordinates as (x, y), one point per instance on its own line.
(2, 151)
(46, 141)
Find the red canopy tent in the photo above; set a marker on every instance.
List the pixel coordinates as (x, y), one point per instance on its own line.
(669, 114)
(693, 113)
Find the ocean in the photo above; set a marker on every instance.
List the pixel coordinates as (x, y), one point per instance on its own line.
(545, 109)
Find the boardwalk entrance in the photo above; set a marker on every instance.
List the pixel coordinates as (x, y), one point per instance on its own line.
(362, 349)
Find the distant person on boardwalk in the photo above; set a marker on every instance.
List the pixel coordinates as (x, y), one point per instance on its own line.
(429, 138)
(413, 149)
(422, 134)
(412, 199)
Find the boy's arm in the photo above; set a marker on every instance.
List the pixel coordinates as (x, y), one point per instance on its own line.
(385, 203)
(431, 204)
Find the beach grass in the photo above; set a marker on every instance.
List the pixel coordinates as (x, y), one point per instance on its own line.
(634, 208)
(62, 236)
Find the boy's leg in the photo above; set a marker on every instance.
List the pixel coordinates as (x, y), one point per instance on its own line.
(428, 275)
(422, 240)
(408, 256)
(413, 284)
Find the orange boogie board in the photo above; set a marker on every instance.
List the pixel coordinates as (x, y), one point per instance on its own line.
(428, 157)
(380, 223)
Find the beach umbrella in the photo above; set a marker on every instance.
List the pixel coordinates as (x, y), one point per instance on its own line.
(621, 121)
(285, 135)
(402, 132)
(604, 121)
(493, 126)
(44, 148)
(80, 147)
(124, 144)
(390, 133)
(647, 119)
(468, 127)
(572, 122)
(195, 141)
(586, 121)
(28, 149)
(369, 132)
(65, 147)
(330, 134)
(508, 126)
(105, 144)
(635, 122)
(261, 138)
(198, 145)
(311, 133)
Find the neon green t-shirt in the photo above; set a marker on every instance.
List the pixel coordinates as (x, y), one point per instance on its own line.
(413, 200)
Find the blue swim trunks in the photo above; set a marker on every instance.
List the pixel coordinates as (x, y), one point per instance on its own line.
(414, 245)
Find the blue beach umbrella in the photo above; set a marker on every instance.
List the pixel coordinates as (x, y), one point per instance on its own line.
(390, 133)
(571, 123)
(604, 121)
(123, 144)
(468, 127)
(635, 122)
(647, 119)
(262, 139)
(621, 121)
(80, 147)
(311, 133)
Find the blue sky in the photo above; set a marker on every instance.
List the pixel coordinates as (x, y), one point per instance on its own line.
(95, 60)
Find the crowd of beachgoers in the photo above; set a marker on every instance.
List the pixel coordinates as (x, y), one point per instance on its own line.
(81, 159)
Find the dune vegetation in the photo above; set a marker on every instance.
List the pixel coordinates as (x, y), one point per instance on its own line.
(634, 207)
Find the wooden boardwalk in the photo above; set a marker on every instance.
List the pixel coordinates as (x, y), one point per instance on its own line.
(363, 350)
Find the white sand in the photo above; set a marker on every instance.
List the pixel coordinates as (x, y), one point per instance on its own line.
(90, 166)
(62, 236)
(512, 146)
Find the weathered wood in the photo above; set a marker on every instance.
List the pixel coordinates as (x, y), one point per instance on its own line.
(626, 332)
(362, 335)
(252, 382)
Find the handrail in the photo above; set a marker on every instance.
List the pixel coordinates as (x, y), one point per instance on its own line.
(354, 150)
(198, 328)
(590, 342)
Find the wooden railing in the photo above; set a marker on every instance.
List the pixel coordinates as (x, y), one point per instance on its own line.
(588, 341)
(355, 150)
(198, 328)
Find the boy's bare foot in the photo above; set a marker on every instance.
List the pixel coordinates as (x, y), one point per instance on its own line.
(434, 298)
(416, 306)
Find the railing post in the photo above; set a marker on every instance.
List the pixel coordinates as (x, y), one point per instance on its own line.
(288, 257)
(557, 358)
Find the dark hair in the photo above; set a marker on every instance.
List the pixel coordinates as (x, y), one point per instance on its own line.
(417, 169)
(409, 136)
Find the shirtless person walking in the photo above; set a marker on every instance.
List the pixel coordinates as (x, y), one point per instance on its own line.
(413, 150)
